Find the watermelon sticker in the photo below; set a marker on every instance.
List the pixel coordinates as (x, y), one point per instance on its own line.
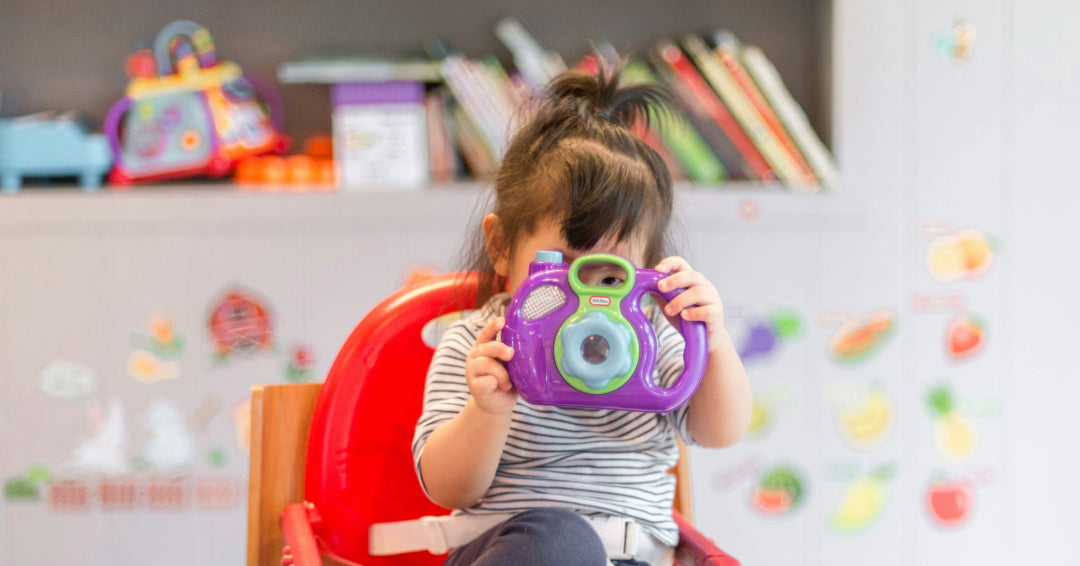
(779, 491)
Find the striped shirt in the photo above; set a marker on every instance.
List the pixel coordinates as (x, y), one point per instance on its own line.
(595, 462)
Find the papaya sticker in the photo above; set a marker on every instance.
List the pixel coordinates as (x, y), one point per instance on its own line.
(856, 340)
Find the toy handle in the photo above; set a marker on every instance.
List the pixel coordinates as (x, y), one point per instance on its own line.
(204, 49)
(693, 332)
(269, 95)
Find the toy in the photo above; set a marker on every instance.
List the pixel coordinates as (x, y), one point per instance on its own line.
(184, 113)
(586, 346)
(50, 145)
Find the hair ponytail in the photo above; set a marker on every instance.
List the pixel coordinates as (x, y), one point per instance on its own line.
(602, 96)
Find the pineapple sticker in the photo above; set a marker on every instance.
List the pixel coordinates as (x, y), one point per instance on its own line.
(954, 433)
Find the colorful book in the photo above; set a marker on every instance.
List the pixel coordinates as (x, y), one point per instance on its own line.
(741, 158)
(791, 114)
(742, 110)
(728, 50)
(440, 145)
(689, 149)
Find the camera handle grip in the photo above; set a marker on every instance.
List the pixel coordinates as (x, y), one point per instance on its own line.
(693, 332)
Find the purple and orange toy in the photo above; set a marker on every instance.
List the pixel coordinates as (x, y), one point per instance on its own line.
(186, 114)
(592, 346)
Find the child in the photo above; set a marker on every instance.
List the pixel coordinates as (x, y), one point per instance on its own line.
(548, 485)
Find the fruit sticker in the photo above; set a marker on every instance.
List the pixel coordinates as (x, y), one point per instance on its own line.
(967, 254)
(965, 336)
(856, 340)
(863, 501)
(949, 501)
(763, 336)
(954, 434)
(779, 491)
(864, 415)
(766, 403)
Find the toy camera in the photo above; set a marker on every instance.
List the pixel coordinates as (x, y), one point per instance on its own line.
(185, 114)
(591, 346)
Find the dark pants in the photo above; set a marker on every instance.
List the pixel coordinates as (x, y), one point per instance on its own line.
(538, 537)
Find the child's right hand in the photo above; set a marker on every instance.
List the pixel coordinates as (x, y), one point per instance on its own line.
(489, 383)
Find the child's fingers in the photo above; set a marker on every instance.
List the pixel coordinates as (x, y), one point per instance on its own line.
(487, 375)
(672, 264)
(682, 280)
(493, 349)
(491, 330)
(701, 314)
(694, 296)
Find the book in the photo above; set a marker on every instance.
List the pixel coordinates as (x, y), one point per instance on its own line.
(740, 107)
(536, 64)
(794, 119)
(689, 149)
(712, 119)
(440, 144)
(728, 50)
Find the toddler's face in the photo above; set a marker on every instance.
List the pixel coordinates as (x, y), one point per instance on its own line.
(548, 236)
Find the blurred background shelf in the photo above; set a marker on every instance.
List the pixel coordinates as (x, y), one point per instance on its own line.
(289, 208)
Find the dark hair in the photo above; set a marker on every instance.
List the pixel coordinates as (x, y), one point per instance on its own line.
(578, 160)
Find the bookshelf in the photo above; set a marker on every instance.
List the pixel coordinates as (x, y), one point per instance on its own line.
(88, 50)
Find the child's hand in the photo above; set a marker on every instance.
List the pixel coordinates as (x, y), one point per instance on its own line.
(485, 374)
(699, 302)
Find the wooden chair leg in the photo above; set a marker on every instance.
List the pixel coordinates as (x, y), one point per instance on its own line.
(280, 419)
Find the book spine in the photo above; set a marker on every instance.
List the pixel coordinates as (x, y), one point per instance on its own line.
(793, 117)
(460, 77)
(689, 149)
(707, 99)
(728, 49)
(714, 137)
(744, 112)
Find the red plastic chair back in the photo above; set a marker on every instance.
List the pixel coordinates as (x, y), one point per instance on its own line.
(359, 467)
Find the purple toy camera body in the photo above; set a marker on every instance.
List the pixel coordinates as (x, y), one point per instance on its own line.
(591, 346)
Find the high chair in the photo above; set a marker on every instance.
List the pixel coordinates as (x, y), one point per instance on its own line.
(353, 434)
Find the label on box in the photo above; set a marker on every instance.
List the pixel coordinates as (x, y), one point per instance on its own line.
(381, 146)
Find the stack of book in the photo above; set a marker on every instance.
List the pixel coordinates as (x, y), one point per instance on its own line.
(733, 118)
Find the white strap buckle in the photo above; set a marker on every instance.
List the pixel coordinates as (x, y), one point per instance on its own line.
(436, 537)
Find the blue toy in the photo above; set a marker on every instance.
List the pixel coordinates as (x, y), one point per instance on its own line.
(50, 145)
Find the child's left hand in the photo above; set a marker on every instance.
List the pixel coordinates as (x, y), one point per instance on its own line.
(699, 302)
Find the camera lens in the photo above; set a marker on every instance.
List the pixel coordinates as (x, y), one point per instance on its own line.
(594, 349)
